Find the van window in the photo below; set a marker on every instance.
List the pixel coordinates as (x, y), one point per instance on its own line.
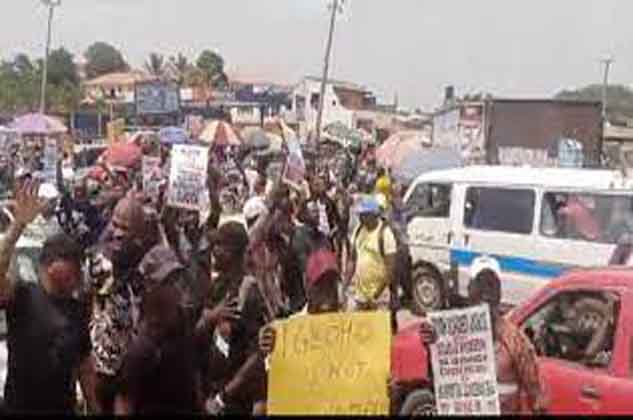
(602, 218)
(500, 209)
(430, 200)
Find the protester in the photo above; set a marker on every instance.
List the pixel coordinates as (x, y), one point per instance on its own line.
(116, 287)
(160, 373)
(384, 186)
(235, 311)
(322, 281)
(372, 261)
(520, 384)
(48, 341)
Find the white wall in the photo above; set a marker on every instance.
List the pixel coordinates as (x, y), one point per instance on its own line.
(332, 109)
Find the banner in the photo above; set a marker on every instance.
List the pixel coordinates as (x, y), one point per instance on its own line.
(331, 364)
(463, 362)
(188, 176)
(157, 98)
(49, 160)
(152, 176)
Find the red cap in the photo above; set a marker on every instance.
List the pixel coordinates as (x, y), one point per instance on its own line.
(319, 263)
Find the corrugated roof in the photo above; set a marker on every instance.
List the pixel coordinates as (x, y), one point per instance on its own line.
(120, 79)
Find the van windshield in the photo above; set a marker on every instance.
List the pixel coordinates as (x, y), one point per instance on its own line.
(602, 218)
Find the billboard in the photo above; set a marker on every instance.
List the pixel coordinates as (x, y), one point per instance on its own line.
(155, 98)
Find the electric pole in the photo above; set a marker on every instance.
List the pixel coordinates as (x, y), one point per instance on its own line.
(51, 9)
(337, 6)
(605, 84)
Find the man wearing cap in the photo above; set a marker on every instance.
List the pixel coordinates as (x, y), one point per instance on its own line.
(160, 373)
(372, 262)
(322, 280)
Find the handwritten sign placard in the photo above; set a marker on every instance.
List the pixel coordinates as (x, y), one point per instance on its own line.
(295, 163)
(463, 361)
(331, 364)
(188, 176)
(152, 176)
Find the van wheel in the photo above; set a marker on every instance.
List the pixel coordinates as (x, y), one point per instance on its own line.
(428, 294)
(419, 403)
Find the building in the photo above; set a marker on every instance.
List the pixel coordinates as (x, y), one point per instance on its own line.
(519, 131)
(117, 87)
(342, 101)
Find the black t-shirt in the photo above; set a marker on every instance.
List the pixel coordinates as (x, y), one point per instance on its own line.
(161, 378)
(47, 340)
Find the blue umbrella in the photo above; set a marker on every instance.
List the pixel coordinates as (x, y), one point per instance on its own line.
(425, 160)
(173, 135)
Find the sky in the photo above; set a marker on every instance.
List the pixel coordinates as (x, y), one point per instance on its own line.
(412, 48)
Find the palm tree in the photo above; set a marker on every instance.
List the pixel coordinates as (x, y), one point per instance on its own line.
(156, 65)
(181, 66)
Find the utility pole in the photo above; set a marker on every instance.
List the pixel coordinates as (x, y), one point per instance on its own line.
(607, 66)
(337, 6)
(605, 84)
(51, 9)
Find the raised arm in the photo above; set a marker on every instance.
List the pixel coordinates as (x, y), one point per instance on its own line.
(27, 207)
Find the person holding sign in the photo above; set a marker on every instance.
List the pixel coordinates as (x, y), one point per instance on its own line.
(519, 384)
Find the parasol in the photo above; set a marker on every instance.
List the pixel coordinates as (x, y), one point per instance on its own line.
(220, 133)
(37, 124)
(399, 146)
(127, 155)
(173, 135)
(425, 160)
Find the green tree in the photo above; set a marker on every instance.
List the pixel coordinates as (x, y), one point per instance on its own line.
(212, 64)
(62, 69)
(619, 99)
(155, 65)
(102, 59)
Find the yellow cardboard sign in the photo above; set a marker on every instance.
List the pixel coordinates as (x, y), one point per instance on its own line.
(331, 364)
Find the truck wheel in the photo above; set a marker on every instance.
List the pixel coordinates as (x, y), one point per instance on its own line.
(419, 403)
(428, 293)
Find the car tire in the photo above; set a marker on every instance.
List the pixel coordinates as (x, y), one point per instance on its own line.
(428, 290)
(418, 403)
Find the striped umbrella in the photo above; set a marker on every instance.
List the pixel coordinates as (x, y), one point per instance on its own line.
(220, 133)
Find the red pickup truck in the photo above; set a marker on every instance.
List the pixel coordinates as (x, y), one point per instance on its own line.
(582, 328)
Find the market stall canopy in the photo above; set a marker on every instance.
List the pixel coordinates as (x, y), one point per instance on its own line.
(122, 155)
(399, 145)
(38, 124)
(220, 133)
(173, 135)
(425, 160)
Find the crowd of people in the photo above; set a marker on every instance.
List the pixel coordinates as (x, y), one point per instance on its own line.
(155, 309)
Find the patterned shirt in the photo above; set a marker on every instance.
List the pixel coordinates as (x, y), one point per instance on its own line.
(115, 314)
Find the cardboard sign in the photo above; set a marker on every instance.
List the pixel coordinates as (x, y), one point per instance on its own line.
(50, 159)
(331, 364)
(152, 176)
(188, 176)
(464, 365)
(295, 164)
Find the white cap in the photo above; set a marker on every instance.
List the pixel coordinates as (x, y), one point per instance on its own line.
(254, 207)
